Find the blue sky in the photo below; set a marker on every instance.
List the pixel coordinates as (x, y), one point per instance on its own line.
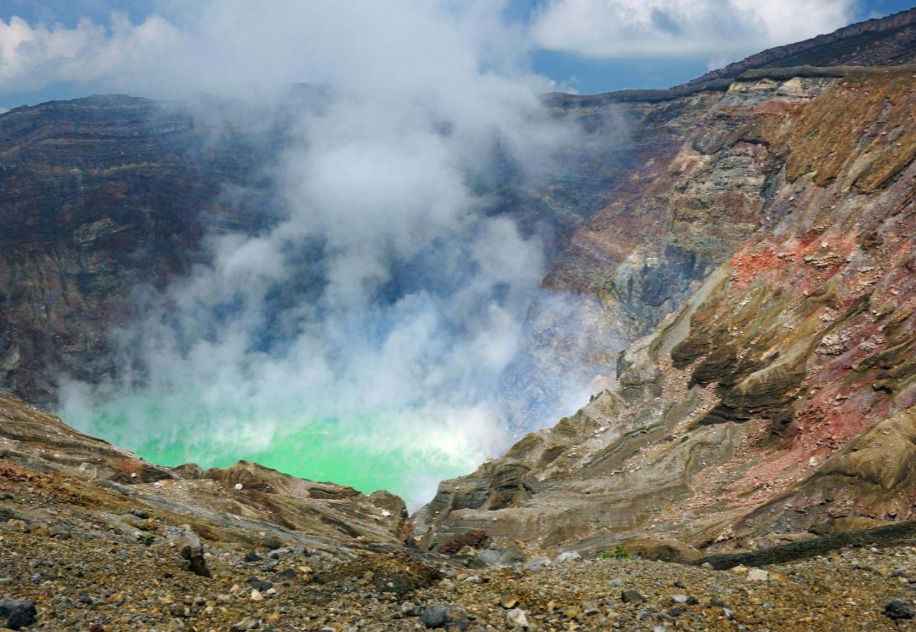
(76, 47)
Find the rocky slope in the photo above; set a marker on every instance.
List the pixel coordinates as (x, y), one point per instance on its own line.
(696, 189)
(94, 538)
(679, 204)
(105, 487)
(887, 41)
(779, 399)
(750, 243)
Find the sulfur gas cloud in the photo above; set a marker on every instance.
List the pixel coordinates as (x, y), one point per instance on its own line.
(359, 336)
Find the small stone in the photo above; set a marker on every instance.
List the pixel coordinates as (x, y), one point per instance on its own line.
(256, 595)
(41, 530)
(568, 556)
(631, 596)
(758, 575)
(246, 624)
(536, 563)
(679, 598)
(192, 550)
(516, 618)
(898, 609)
(435, 615)
(252, 556)
(259, 584)
(508, 601)
(616, 582)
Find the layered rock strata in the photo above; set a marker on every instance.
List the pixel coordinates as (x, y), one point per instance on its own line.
(779, 399)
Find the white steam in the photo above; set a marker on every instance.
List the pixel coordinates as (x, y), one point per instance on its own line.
(388, 300)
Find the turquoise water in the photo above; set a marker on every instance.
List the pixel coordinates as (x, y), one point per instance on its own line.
(367, 453)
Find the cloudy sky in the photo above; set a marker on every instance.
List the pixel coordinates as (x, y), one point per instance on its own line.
(64, 48)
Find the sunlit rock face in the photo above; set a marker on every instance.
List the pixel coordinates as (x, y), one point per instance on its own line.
(779, 397)
(679, 196)
(680, 204)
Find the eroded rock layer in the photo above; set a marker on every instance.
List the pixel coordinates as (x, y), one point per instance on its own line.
(779, 398)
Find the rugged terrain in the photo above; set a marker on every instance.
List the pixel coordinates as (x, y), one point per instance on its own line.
(99, 197)
(747, 241)
(779, 398)
(688, 185)
(93, 538)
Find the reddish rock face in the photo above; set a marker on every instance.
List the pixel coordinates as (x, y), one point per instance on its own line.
(781, 396)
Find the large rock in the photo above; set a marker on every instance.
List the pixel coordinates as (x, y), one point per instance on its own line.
(18, 613)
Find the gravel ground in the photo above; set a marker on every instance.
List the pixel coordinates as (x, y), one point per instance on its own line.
(117, 581)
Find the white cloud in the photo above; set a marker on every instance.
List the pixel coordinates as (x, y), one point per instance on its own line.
(719, 29)
(33, 56)
(231, 48)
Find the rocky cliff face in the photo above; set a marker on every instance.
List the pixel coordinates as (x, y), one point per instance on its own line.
(692, 193)
(104, 198)
(98, 197)
(749, 242)
(680, 196)
(756, 411)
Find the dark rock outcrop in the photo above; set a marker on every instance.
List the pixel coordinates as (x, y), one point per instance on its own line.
(888, 41)
(99, 197)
